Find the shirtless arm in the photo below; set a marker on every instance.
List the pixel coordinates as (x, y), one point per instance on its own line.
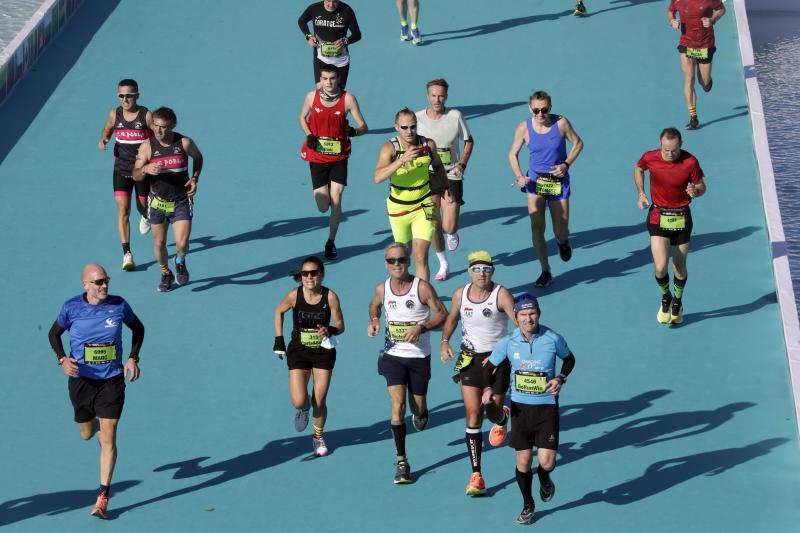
(108, 128)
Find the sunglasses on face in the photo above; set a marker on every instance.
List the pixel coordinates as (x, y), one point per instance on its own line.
(100, 282)
(542, 110)
(309, 273)
(127, 96)
(479, 269)
(397, 260)
(410, 126)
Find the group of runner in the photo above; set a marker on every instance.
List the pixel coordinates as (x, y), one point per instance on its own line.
(425, 165)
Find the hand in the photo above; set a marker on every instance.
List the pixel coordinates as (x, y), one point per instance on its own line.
(675, 23)
(191, 188)
(151, 168)
(279, 347)
(102, 144)
(312, 42)
(559, 170)
(351, 131)
(341, 43)
(410, 155)
(554, 386)
(706, 22)
(643, 202)
(458, 170)
(373, 327)
(487, 395)
(522, 181)
(132, 369)
(322, 331)
(691, 190)
(70, 366)
(413, 333)
(311, 141)
(446, 353)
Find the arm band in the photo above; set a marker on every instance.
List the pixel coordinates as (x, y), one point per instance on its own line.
(137, 337)
(568, 364)
(54, 335)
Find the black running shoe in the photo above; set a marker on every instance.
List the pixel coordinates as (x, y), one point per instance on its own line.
(402, 475)
(330, 250)
(707, 88)
(663, 310)
(544, 280)
(676, 313)
(547, 491)
(182, 277)
(580, 10)
(526, 516)
(419, 422)
(166, 282)
(565, 251)
(693, 123)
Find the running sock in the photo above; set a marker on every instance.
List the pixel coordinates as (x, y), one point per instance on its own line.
(544, 475)
(679, 285)
(413, 26)
(399, 432)
(663, 284)
(474, 441)
(164, 269)
(104, 489)
(692, 110)
(403, 22)
(126, 247)
(442, 257)
(317, 432)
(180, 259)
(141, 206)
(525, 482)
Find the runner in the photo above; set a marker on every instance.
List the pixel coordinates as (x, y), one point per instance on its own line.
(96, 373)
(448, 129)
(405, 161)
(405, 360)
(580, 9)
(531, 350)
(311, 348)
(675, 179)
(484, 308)
(323, 120)
(131, 125)
(412, 8)
(695, 19)
(329, 40)
(171, 201)
(547, 180)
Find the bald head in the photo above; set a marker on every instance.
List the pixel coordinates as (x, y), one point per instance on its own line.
(93, 271)
(95, 283)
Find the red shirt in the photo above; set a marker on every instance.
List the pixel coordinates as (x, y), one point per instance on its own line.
(668, 179)
(693, 34)
(329, 122)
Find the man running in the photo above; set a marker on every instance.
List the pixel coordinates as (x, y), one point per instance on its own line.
(448, 129)
(131, 124)
(165, 158)
(96, 372)
(580, 9)
(411, 7)
(675, 179)
(329, 40)
(531, 350)
(547, 179)
(696, 46)
(405, 360)
(484, 308)
(406, 161)
(323, 120)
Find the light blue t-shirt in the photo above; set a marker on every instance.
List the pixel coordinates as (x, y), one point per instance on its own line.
(532, 363)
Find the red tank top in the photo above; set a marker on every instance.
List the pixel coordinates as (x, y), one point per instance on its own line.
(329, 124)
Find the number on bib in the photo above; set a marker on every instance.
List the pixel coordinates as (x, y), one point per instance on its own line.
(697, 53)
(397, 330)
(100, 353)
(530, 382)
(548, 186)
(310, 338)
(329, 146)
(162, 205)
(444, 155)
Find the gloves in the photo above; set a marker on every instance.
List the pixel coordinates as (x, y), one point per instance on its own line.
(351, 132)
(279, 347)
(311, 141)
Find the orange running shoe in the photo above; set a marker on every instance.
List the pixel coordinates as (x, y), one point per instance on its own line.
(476, 485)
(100, 507)
(498, 433)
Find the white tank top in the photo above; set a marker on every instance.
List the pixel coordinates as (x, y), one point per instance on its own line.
(482, 324)
(402, 312)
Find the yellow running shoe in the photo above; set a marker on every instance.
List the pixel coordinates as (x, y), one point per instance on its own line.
(663, 315)
(476, 486)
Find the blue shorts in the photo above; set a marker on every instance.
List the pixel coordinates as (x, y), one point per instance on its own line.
(182, 209)
(414, 372)
(530, 188)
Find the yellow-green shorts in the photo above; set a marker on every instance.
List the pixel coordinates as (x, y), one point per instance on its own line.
(416, 224)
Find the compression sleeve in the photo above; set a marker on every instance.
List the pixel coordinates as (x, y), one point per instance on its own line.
(568, 364)
(355, 31)
(54, 335)
(304, 19)
(488, 373)
(137, 330)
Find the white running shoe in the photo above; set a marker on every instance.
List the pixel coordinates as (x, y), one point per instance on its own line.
(144, 226)
(301, 419)
(320, 449)
(127, 262)
(444, 270)
(452, 241)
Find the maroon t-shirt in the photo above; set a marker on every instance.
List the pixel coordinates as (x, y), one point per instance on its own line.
(668, 179)
(693, 34)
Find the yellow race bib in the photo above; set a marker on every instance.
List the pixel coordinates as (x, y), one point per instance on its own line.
(162, 205)
(99, 353)
(328, 146)
(310, 338)
(530, 382)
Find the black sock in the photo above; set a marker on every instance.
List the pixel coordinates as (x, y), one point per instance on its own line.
(399, 432)
(474, 440)
(544, 475)
(525, 481)
(663, 284)
(679, 286)
(104, 490)
(126, 247)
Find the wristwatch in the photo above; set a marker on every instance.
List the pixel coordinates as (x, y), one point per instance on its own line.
(134, 357)
(61, 360)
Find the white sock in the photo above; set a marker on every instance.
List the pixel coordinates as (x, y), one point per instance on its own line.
(442, 258)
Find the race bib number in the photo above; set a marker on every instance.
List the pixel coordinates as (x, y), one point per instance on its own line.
(430, 212)
(330, 50)
(530, 382)
(329, 146)
(100, 353)
(310, 338)
(444, 155)
(463, 362)
(672, 220)
(697, 53)
(162, 205)
(546, 186)
(397, 330)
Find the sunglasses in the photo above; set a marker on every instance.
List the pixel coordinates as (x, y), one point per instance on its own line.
(397, 260)
(126, 96)
(410, 126)
(100, 282)
(309, 273)
(479, 269)
(542, 110)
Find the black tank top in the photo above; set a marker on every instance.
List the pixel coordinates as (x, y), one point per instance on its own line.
(128, 136)
(306, 319)
(170, 182)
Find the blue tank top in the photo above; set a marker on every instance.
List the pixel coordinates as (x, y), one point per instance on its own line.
(546, 149)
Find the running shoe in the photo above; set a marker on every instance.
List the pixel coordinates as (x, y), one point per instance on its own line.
(565, 251)
(444, 271)
(320, 449)
(544, 280)
(676, 313)
(580, 10)
(477, 486)
(182, 274)
(526, 516)
(452, 241)
(663, 309)
(547, 491)
(419, 422)
(100, 507)
(166, 282)
(693, 123)
(301, 419)
(330, 250)
(416, 38)
(144, 226)
(404, 33)
(127, 262)
(402, 475)
(707, 88)
(498, 433)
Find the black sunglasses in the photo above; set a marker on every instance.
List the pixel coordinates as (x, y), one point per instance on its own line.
(537, 110)
(100, 282)
(126, 96)
(397, 260)
(310, 273)
(410, 126)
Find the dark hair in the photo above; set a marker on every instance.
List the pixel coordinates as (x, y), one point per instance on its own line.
(671, 133)
(127, 82)
(440, 82)
(329, 68)
(541, 95)
(310, 259)
(404, 111)
(165, 113)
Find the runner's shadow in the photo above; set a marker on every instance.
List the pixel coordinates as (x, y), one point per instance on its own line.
(585, 414)
(722, 119)
(664, 475)
(733, 310)
(54, 503)
(469, 111)
(494, 27)
(628, 3)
